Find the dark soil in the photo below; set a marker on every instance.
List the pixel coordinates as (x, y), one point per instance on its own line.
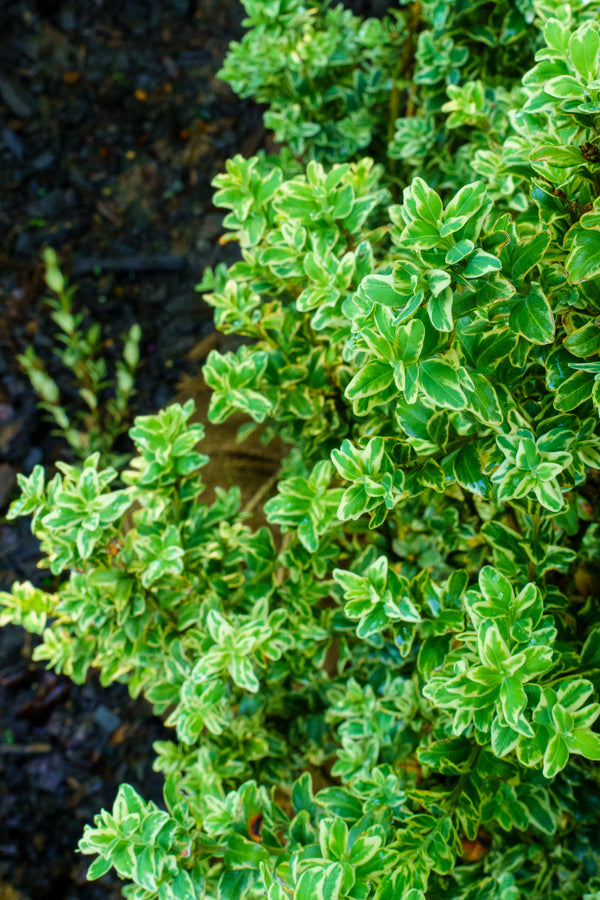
(112, 126)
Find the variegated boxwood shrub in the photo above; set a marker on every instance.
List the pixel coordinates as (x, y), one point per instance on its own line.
(391, 694)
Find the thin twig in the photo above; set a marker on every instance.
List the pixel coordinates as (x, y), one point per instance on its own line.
(259, 494)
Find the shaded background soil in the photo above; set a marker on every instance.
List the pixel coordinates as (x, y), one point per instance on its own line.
(112, 126)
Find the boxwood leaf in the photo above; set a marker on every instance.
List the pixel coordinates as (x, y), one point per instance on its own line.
(513, 699)
(503, 738)
(379, 289)
(575, 390)
(353, 503)
(585, 742)
(557, 155)
(440, 310)
(529, 254)
(459, 251)
(584, 48)
(565, 87)
(370, 380)
(532, 317)
(585, 341)
(411, 337)
(302, 794)
(583, 262)
(556, 756)
(467, 470)
(422, 202)
(483, 401)
(441, 383)
(481, 263)
(590, 655)
(98, 868)
(338, 801)
(432, 653)
(450, 756)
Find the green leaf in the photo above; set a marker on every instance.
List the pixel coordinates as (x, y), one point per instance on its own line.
(333, 838)
(341, 802)
(467, 468)
(380, 289)
(466, 202)
(540, 810)
(422, 202)
(433, 652)
(483, 401)
(233, 884)
(438, 280)
(145, 872)
(370, 380)
(320, 883)
(440, 382)
(459, 251)
(532, 317)
(556, 155)
(495, 587)
(365, 847)
(394, 886)
(503, 738)
(243, 852)
(583, 262)
(242, 673)
(411, 338)
(585, 742)
(549, 495)
(493, 649)
(584, 49)
(354, 503)
(590, 654)
(528, 254)
(565, 87)
(576, 389)
(307, 532)
(585, 341)
(556, 756)
(449, 757)
(513, 699)
(494, 346)
(431, 475)
(98, 868)
(482, 263)
(440, 310)
(302, 794)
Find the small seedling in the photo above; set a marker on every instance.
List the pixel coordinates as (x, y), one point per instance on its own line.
(80, 350)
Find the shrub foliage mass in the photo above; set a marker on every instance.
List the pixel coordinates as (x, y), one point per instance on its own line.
(389, 692)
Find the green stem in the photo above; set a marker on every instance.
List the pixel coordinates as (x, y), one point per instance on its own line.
(454, 795)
